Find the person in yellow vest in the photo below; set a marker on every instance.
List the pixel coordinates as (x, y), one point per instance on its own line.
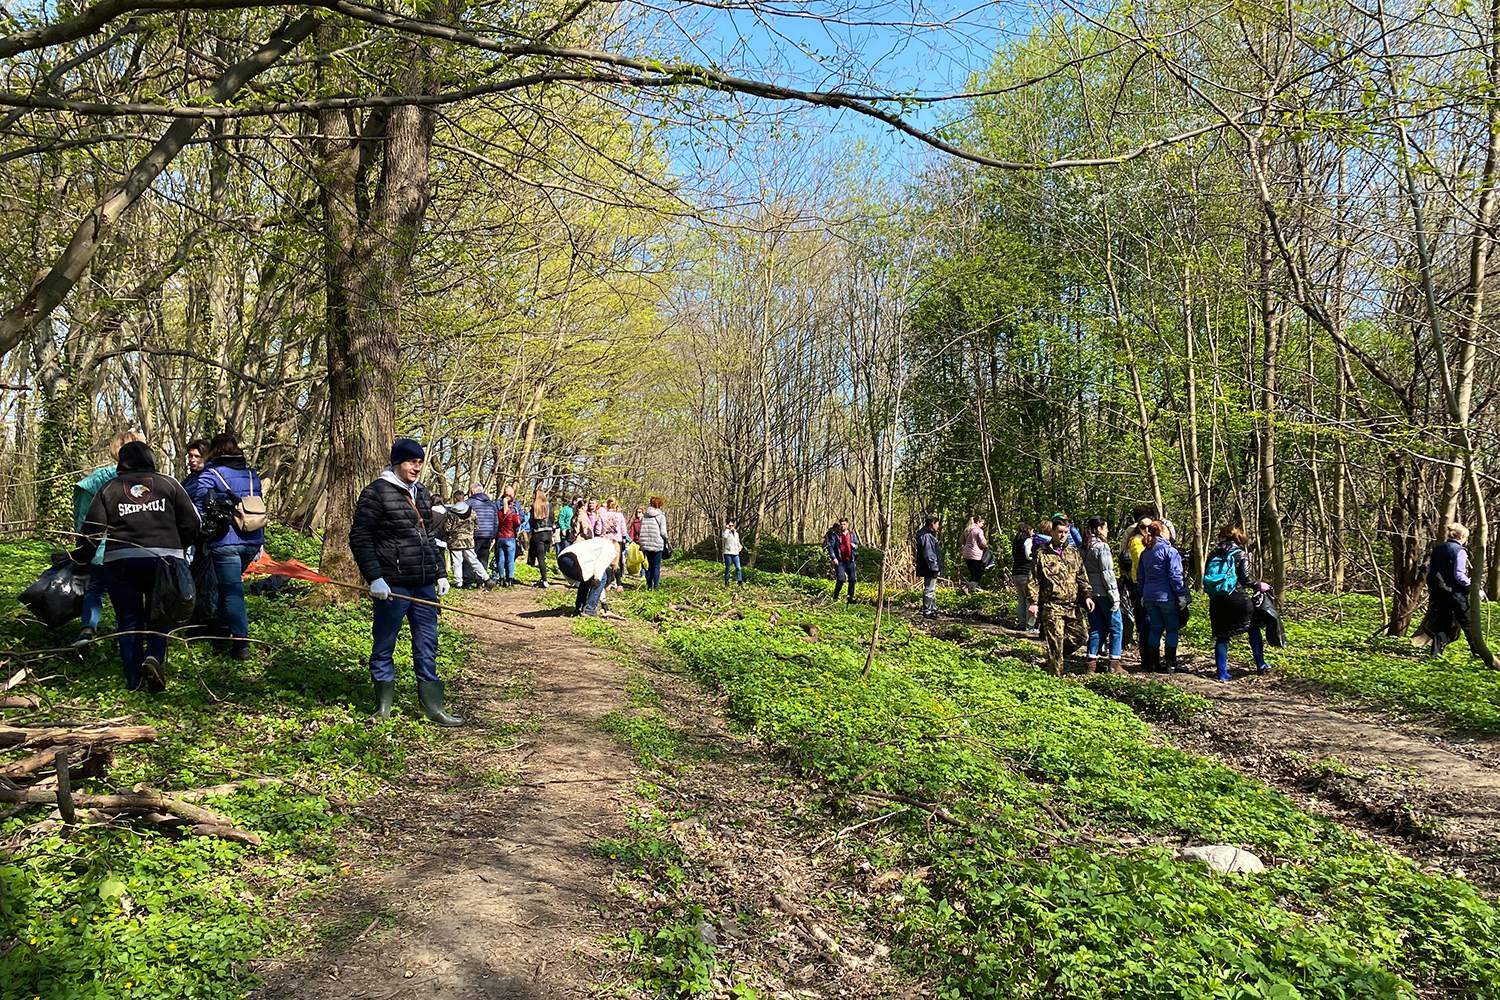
(1132, 544)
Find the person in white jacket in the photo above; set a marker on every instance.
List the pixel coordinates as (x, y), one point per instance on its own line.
(732, 554)
(588, 562)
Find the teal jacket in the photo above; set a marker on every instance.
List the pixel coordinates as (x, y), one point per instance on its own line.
(84, 492)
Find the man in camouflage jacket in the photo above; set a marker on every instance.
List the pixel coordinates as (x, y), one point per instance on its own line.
(1057, 586)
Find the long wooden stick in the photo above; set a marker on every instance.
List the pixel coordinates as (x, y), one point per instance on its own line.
(442, 607)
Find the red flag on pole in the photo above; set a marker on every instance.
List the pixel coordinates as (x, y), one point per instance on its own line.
(265, 566)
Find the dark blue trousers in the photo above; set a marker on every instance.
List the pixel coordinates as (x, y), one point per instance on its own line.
(389, 614)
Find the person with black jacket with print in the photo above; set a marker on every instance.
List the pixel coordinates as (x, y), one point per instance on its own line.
(144, 519)
(392, 542)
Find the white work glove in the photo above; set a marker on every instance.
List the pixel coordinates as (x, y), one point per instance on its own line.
(1182, 602)
(442, 586)
(380, 590)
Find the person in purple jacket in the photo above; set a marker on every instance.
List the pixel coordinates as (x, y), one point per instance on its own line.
(227, 473)
(1448, 590)
(1164, 593)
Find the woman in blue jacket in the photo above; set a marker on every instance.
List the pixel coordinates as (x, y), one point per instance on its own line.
(1163, 592)
(226, 473)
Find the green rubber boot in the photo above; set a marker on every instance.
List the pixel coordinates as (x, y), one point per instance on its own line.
(430, 693)
(385, 694)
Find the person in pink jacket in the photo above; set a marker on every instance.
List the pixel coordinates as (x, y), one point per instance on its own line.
(974, 547)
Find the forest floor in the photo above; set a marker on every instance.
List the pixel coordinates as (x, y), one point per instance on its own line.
(1422, 789)
(515, 891)
(511, 891)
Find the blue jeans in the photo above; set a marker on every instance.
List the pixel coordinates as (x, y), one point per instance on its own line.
(1102, 621)
(93, 598)
(389, 614)
(653, 569)
(589, 594)
(842, 572)
(739, 573)
(1257, 649)
(229, 567)
(1161, 619)
(505, 558)
(129, 582)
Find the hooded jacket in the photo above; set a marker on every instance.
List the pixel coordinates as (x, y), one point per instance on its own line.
(139, 514)
(652, 536)
(230, 476)
(391, 537)
(486, 515)
(1099, 563)
(928, 553)
(460, 527)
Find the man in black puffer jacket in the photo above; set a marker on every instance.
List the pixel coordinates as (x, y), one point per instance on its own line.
(392, 542)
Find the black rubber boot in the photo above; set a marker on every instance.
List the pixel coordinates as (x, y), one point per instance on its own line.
(1150, 658)
(385, 695)
(430, 693)
(1172, 666)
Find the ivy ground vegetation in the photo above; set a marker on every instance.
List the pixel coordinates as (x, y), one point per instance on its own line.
(1036, 822)
(110, 911)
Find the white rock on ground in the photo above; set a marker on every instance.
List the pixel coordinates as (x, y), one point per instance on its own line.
(1223, 858)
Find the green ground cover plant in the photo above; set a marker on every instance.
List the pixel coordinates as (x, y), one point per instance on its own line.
(1334, 641)
(131, 911)
(1050, 821)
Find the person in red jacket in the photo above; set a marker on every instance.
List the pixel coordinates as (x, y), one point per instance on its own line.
(509, 522)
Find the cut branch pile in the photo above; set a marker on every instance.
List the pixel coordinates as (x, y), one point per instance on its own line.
(54, 757)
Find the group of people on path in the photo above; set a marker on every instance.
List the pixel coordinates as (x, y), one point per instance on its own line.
(132, 521)
(474, 526)
(1072, 588)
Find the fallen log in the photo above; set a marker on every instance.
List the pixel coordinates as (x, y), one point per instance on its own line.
(90, 765)
(20, 701)
(83, 736)
(145, 800)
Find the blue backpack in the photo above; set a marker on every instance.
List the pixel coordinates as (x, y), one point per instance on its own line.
(1220, 576)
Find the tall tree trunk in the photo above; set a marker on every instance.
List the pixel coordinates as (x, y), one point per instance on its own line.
(371, 240)
(1271, 526)
(1201, 528)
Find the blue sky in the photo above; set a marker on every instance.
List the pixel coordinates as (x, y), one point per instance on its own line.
(883, 46)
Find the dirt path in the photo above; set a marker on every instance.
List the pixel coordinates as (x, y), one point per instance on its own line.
(464, 887)
(1430, 794)
(495, 894)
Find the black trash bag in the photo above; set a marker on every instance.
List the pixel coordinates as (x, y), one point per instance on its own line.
(172, 595)
(57, 595)
(1269, 620)
(205, 589)
(275, 585)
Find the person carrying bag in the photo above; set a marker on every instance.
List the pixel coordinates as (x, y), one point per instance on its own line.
(146, 521)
